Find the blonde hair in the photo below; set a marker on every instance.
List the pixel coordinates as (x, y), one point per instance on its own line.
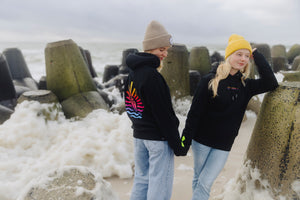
(223, 71)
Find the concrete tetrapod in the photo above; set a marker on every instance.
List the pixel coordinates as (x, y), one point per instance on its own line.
(69, 183)
(82, 104)
(199, 60)
(176, 72)
(275, 143)
(66, 70)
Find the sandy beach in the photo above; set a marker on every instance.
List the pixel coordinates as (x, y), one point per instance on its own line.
(182, 187)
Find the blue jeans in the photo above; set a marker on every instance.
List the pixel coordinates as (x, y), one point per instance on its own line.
(208, 163)
(154, 170)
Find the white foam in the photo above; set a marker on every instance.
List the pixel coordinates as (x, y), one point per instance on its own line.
(30, 145)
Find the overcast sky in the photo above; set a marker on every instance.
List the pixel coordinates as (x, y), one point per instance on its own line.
(188, 21)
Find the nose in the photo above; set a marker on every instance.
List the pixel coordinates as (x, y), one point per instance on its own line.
(165, 53)
(244, 58)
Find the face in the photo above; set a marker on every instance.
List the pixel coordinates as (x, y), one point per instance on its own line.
(161, 52)
(238, 60)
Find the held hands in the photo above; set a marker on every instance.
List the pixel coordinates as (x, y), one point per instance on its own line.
(185, 145)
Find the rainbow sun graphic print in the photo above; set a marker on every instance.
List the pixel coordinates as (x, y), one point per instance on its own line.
(134, 105)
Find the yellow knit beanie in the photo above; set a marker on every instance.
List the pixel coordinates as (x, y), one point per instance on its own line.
(156, 36)
(235, 43)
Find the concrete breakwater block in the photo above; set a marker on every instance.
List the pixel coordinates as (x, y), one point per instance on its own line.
(5, 113)
(278, 50)
(42, 96)
(69, 183)
(176, 72)
(82, 104)
(66, 70)
(296, 63)
(275, 143)
(30, 83)
(16, 62)
(293, 52)
(291, 76)
(7, 89)
(199, 60)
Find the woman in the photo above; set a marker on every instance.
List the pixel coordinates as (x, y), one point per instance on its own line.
(218, 108)
(155, 125)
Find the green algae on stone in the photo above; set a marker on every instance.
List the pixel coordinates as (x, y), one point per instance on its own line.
(80, 105)
(275, 143)
(66, 70)
(199, 60)
(175, 71)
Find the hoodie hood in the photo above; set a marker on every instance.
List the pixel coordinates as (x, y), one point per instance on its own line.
(136, 60)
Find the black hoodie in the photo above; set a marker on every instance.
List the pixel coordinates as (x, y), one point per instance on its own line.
(215, 122)
(148, 102)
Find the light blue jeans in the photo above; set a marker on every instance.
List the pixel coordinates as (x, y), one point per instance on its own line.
(208, 163)
(154, 170)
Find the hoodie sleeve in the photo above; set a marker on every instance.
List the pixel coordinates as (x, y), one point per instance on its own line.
(158, 96)
(197, 109)
(267, 80)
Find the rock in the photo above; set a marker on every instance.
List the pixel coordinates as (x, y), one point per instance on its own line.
(118, 82)
(199, 60)
(88, 61)
(254, 105)
(216, 57)
(26, 82)
(42, 96)
(42, 83)
(7, 89)
(194, 80)
(124, 69)
(110, 71)
(69, 183)
(278, 51)
(66, 70)
(273, 150)
(279, 64)
(176, 72)
(293, 52)
(296, 63)
(16, 62)
(5, 113)
(291, 76)
(82, 104)
(21, 89)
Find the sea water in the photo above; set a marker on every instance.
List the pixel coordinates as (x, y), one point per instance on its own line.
(31, 144)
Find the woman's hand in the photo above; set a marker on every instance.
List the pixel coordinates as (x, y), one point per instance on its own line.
(252, 52)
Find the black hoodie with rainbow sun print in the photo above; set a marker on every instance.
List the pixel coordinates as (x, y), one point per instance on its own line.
(148, 102)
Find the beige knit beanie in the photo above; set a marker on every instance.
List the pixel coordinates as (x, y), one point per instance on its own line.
(156, 36)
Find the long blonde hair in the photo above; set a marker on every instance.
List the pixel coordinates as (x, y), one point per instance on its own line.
(223, 71)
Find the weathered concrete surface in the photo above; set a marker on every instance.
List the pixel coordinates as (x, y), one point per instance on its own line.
(275, 143)
(82, 104)
(70, 183)
(176, 72)
(199, 60)
(42, 96)
(291, 76)
(66, 70)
